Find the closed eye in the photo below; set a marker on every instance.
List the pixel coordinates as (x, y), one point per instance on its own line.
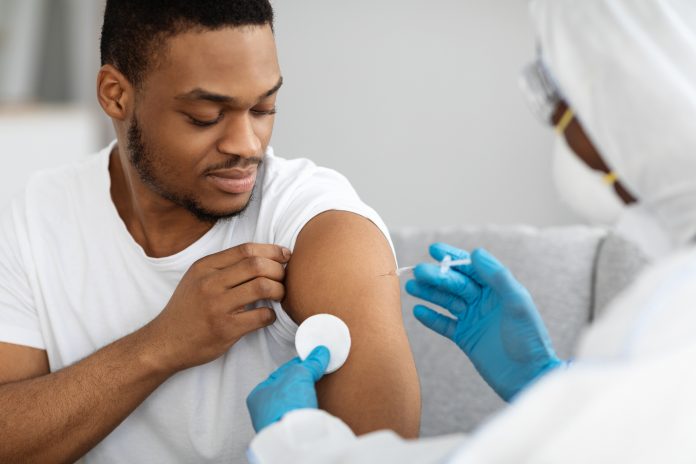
(212, 122)
(202, 123)
(270, 112)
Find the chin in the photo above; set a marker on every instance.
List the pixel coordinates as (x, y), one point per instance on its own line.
(229, 206)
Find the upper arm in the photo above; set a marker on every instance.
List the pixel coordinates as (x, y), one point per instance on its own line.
(336, 268)
(21, 362)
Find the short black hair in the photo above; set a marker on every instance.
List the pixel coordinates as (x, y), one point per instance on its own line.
(133, 30)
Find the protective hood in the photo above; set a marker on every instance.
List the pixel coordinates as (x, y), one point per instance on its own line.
(628, 69)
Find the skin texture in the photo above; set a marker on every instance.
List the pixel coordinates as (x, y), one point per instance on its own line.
(580, 143)
(58, 417)
(337, 268)
(245, 70)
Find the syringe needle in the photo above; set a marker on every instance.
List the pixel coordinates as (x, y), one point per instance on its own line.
(403, 270)
(400, 271)
(445, 266)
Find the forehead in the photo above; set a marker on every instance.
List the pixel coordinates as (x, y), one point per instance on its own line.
(230, 61)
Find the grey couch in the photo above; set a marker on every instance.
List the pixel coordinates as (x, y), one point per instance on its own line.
(572, 273)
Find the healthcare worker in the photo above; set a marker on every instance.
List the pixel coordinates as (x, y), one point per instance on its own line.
(583, 178)
(627, 69)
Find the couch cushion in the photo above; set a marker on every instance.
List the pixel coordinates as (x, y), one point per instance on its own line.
(619, 262)
(556, 265)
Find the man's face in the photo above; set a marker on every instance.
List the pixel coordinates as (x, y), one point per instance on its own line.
(204, 117)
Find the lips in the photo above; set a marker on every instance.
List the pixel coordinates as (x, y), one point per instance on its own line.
(234, 181)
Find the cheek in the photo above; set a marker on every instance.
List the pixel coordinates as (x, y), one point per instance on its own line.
(263, 128)
(177, 147)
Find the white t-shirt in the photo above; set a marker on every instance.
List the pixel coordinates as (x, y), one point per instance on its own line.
(73, 280)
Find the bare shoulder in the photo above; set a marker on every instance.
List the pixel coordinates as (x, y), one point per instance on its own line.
(338, 267)
(339, 255)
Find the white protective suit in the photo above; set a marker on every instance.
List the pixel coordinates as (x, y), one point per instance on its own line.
(628, 68)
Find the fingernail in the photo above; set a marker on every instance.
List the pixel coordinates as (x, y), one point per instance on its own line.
(287, 253)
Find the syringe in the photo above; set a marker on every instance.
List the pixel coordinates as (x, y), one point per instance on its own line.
(445, 266)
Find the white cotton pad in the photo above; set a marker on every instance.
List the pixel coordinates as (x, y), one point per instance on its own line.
(327, 330)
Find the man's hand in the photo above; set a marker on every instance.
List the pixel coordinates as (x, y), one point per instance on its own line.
(207, 313)
(289, 388)
(202, 320)
(496, 322)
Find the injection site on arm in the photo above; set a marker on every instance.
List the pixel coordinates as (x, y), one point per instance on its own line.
(445, 265)
(331, 271)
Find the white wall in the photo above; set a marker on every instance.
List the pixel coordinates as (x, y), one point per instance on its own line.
(39, 63)
(34, 138)
(417, 103)
(20, 41)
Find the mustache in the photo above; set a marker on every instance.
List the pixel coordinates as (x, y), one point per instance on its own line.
(236, 162)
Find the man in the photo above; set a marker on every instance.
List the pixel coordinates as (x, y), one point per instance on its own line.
(628, 69)
(144, 291)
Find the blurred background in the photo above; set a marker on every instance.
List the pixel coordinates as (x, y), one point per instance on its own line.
(416, 102)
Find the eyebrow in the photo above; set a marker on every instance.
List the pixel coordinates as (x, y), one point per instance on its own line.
(201, 94)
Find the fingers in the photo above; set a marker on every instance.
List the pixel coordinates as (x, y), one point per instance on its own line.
(239, 253)
(288, 365)
(317, 362)
(261, 288)
(246, 322)
(453, 303)
(492, 272)
(484, 269)
(246, 270)
(451, 282)
(436, 322)
(440, 250)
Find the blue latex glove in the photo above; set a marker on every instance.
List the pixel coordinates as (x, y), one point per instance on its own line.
(290, 387)
(496, 322)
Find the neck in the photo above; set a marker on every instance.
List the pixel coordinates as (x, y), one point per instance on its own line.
(160, 227)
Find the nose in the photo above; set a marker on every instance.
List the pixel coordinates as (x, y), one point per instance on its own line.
(239, 138)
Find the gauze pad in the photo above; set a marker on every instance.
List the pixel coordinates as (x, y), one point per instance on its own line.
(326, 330)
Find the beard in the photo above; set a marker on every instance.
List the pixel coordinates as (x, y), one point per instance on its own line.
(150, 170)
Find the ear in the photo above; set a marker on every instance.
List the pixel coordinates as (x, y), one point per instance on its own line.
(115, 93)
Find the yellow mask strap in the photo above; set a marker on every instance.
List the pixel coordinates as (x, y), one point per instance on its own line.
(565, 121)
(611, 178)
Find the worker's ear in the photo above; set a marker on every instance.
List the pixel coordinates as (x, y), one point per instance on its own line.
(115, 93)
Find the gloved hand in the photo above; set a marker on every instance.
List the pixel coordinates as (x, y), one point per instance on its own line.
(290, 387)
(496, 322)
